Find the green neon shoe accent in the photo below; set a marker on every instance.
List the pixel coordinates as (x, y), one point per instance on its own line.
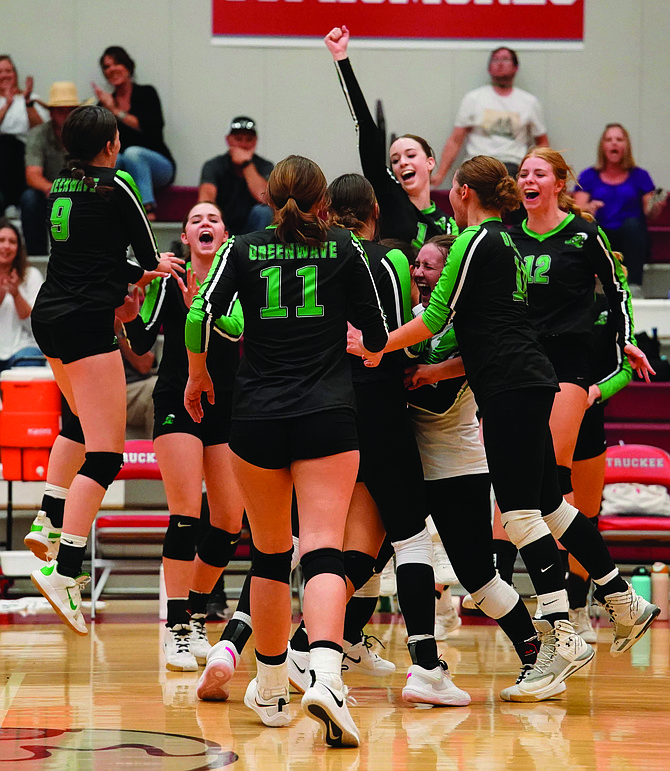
(47, 570)
(36, 528)
(73, 605)
(53, 536)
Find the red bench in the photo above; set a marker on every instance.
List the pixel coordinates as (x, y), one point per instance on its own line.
(635, 538)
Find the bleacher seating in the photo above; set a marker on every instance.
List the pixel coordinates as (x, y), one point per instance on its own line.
(173, 202)
(640, 414)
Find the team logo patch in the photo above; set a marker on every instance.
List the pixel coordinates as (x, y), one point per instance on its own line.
(169, 420)
(577, 240)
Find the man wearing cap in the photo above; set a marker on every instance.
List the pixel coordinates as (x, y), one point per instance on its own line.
(237, 180)
(45, 157)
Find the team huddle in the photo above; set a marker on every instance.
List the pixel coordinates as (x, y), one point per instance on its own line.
(397, 363)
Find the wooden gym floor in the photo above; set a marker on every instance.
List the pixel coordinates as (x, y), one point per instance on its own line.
(106, 702)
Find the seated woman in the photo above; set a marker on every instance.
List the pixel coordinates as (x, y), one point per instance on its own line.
(620, 195)
(19, 111)
(144, 154)
(19, 285)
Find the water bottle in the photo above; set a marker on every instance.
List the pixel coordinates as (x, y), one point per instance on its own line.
(660, 588)
(641, 582)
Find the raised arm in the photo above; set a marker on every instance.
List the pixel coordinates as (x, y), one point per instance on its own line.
(371, 146)
(451, 150)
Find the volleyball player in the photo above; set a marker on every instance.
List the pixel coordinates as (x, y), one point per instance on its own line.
(403, 192)
(484, 289)
(186, 450)
(95, 212)
(293, 426)
(562, 254)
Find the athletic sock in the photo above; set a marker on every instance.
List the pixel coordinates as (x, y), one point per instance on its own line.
(416, 597)
(71, 554)
(238, 631)
(358, 613)
(518, 626)
(505, 556)
(586, 545)
(300, 641)
(177, 611)
(197, 603)
(578, 590)
(53, 503)
(565, 562)
(272, 661)
(423, 651)
(244, 603)
(612, 583)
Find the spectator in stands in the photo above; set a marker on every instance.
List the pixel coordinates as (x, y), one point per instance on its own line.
(19, 285)
(45, 157)
(144, 154)
(497, 120)
(140, 382)
(237, 180)
(19, 111)
(620, 195)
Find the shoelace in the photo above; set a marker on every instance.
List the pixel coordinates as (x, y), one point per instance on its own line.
(525, 670)
(368, 644)
(181, 635)
(82, 580)
(198, 628)
(547, 652)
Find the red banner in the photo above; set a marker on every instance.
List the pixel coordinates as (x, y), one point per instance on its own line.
(412, 21)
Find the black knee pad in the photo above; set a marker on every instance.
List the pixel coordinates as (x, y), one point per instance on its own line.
(72, 429)
(564, 479)
(358, 567)
(181, 537)
(320, 561)
(217, 546)
(275, 567)
(102, 467)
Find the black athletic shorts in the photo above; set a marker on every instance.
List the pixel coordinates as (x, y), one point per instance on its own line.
(171, 417)
(570, 355)
(276, 442)
(591, 441)
(77, 336)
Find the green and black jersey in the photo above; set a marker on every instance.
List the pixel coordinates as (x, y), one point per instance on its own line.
(296, 300)
(610, 369)
(561, 267)
(398, 217)
(390, 272)
(90, 233)
(164, 308)
(483, 290)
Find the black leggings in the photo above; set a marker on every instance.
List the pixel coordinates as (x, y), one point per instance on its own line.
(390, 463)
(520, 450)
(461, 510)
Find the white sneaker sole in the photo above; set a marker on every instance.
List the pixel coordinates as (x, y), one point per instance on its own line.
(213, 681)
(419, 697)
(45, 591)
(525, 698)
(186, 666)
(41, 547)
(337, 733)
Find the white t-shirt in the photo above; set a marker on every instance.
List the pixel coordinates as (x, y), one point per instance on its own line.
(16, 118)
(501, 126)
(16, 333)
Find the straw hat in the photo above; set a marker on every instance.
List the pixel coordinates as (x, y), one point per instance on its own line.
(63, 94)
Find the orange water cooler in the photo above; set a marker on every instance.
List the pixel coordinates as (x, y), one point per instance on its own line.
(29, 422)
